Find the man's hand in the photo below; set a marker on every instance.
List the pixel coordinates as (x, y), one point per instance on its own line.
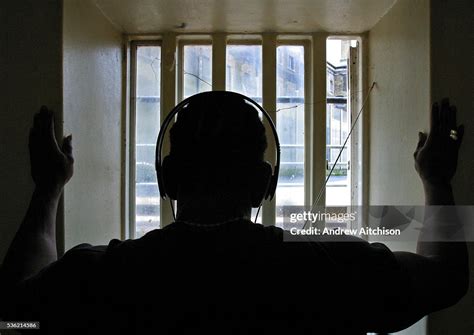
(51, 165)
(439, 272)
(436, 155)
(34, 245)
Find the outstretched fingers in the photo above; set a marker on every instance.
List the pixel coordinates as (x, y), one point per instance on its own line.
(443, 123)
(43, 128)
(445, 117)
(421, 142)
(434, 119)
(452, 123)
(67, 147)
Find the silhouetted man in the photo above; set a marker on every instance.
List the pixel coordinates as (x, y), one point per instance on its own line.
(213, 270)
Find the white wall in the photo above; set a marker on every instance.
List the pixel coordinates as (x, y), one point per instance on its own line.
(399, 62)
(30, 76)
(399, 104)
(416, 58)
(92, 113)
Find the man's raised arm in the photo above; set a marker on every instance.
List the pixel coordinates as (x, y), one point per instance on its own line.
(438, 273)
(34, 245)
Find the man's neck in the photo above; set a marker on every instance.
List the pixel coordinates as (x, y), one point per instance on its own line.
(211, 211)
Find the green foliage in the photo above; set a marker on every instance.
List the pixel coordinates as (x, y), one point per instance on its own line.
(292, 172)
(337, 172)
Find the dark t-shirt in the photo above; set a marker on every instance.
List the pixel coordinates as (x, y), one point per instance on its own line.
(236, 278)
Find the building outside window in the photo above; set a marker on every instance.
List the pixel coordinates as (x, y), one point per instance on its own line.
(244, 70)
(147, 115)
(337, 123)
(291, 63)
(197, 69)
(290, 127)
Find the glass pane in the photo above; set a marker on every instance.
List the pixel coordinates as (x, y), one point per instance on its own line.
(244, 75)
(244, 70)
(338, 188)
(147, 201)
(290, 127)
(197, 75)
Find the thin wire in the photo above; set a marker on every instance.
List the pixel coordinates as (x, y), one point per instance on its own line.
(152, 68)
(290, 107)
(340, 152)
(196, 76)
(279, 109)
(256, 215)
(316, 102)
(172, 209)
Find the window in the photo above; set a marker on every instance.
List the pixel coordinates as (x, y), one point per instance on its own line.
(291, 63)
(147, 121)
(330, 85)
(244, 70)
(244, 75)
(197, 69)
(338, 188)
(280, 59)
(290, 127)
(242, 64)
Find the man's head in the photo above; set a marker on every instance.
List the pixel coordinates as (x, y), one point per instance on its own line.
(217, 149)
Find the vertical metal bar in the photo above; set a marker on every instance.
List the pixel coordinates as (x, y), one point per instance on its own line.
(219, 41)
(353, 107)
(308, 124)
(269, 44)
(125, 145)
(168, 101)
(365, 144)
(365, 129)
(319, 115)
(180, 68)
(132, 134)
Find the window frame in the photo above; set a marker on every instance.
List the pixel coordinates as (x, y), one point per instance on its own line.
(182, 42)
(172, 46)
(304, 42)
(245, 40)
(357, 91)
(130, 228)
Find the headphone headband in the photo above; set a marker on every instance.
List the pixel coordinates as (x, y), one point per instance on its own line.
(219, 96)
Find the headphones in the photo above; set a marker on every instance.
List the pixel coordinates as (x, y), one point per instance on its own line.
(215, 97)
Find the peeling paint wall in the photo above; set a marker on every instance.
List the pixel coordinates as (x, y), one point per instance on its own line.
(92, 114)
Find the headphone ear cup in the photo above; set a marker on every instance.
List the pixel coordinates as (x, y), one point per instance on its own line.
(262, 182)
(168, 178)
(272, 188)
(161, 187)
(272, 184)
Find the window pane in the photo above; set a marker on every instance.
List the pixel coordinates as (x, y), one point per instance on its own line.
(197, 75)
(147, 199)
(244, 75)
(244, 70)
(338, 188)
(290, 127)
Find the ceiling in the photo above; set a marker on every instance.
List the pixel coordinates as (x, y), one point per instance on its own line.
(244, 16)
